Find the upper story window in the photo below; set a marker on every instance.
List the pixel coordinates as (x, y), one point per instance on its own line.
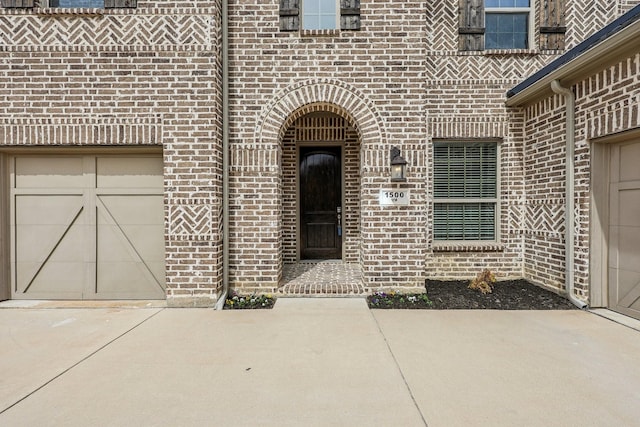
(507, 24)
(319, 15)
(77, 3)
(68, 4)
(510, 25)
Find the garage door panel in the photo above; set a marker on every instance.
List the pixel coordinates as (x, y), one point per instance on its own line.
(112, 245)
(123, 263)
(158, 271)
(139, 221)
(628, 253)
(116, 243)
(136, 209)
(44, 222)
(629, 155)
(141, 242)
(628, 289)
(39, 243)
(629, 207)
(52, 209)
(135, 172)
(115, 280)
(49, 172)
(624, 230)
(130, 237)
(88, 245)
(48, 244)
(35, 280)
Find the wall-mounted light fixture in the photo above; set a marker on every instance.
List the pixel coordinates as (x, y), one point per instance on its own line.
(398, 166)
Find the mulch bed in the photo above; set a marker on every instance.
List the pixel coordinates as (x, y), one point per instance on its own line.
(506, 295)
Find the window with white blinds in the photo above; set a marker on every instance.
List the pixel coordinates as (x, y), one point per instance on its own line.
(465, 190)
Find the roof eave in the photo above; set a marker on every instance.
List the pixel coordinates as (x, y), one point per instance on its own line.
(603, 54)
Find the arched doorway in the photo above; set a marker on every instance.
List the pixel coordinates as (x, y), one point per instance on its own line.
(321, 205)
(321, 189)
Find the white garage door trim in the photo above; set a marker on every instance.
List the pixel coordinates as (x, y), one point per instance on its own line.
(103, 237)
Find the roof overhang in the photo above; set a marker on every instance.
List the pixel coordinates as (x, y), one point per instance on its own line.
(593, 55)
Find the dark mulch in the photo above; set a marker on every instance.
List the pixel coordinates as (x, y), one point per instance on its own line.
(506, 295)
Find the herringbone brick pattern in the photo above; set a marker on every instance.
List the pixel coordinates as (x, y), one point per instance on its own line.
(442, 27)
(509, 69)
(545, 218)
(194, 220)
(107, 30)
(587, 17)
(516, 215)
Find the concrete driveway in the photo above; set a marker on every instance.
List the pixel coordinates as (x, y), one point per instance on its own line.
(321, 362)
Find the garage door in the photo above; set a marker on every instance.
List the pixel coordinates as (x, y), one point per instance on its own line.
(87, 227)
(624, 229)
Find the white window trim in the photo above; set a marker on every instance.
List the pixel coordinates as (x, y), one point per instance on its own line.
(337, 23)
(530, 10)
(496, 201)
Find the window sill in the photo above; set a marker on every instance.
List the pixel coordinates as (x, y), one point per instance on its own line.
(319, 33)
(524, 52)
(501, 52)
(467, 247)
(55, 11)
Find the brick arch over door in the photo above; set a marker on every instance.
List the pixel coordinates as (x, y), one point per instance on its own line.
(319, 95)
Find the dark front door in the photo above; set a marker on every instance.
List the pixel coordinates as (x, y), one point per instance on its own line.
(320, 203)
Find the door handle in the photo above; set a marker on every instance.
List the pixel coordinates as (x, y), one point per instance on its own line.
(339, 220)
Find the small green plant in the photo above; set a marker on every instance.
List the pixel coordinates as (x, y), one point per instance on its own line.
(239, 302)
(483, 282)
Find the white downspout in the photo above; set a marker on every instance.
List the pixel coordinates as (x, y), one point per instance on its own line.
(224, 18)
(570, 113)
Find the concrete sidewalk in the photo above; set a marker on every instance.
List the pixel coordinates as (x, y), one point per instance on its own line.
(317, 362)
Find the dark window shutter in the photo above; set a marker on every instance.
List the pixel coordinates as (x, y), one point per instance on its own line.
(552, 24)
(289, 15)
(471, 29)
(349, 14)
(18, 4)
(113, 4)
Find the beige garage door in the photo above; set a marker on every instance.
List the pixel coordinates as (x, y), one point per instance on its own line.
(87, 227)
(624, 229)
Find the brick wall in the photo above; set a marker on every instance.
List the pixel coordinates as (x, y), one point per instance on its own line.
(544, 160)
(127, 77)
(465, 94)
(151, 76)
(606, 103)
(372, 79)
